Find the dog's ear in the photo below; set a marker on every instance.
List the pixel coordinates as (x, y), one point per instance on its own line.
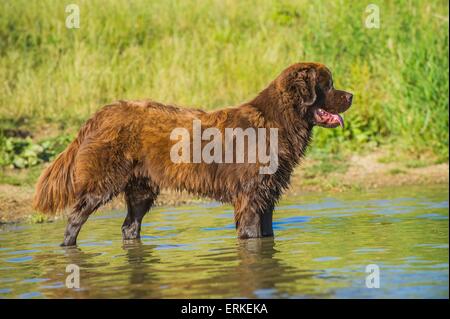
(307, 84)
(300, 86)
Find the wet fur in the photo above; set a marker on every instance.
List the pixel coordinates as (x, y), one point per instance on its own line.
(125, 148)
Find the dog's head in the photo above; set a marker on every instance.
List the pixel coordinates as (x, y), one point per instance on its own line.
(308, 87)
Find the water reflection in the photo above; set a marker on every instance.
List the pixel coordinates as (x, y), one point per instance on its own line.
(142, 277)
(255, 270)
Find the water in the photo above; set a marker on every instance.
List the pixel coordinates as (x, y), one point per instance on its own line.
(322, 247)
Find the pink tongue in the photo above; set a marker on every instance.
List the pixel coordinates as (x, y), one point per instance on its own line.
(338, 118)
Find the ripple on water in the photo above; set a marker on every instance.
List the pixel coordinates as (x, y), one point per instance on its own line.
(19, 259)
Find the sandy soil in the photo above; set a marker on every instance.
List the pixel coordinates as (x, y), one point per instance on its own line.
(363, 172)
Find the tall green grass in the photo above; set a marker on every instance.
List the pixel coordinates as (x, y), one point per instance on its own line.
(211, 54)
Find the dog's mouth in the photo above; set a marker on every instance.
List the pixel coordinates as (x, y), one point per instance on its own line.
(327, 119)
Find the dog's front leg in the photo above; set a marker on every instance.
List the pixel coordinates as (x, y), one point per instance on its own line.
(249, 226)
(253, 221)
(266, 223)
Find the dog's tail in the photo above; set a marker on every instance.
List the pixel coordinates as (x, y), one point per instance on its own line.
(55, 189)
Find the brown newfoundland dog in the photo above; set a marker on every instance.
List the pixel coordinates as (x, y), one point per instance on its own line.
(125, 148)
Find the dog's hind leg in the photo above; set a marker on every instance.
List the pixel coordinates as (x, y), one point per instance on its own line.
(87, 204)
(76, 220)
(140, 196)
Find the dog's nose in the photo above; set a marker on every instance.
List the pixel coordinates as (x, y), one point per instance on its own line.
(349, 98)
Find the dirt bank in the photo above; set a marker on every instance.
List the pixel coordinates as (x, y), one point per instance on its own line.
(355, 172)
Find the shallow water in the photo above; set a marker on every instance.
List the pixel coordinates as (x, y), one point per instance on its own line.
(322, 246)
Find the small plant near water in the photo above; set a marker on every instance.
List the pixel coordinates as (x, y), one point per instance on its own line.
(25, 153)
(38, 218)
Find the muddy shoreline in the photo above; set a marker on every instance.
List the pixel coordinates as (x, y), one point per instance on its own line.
(362, 173)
